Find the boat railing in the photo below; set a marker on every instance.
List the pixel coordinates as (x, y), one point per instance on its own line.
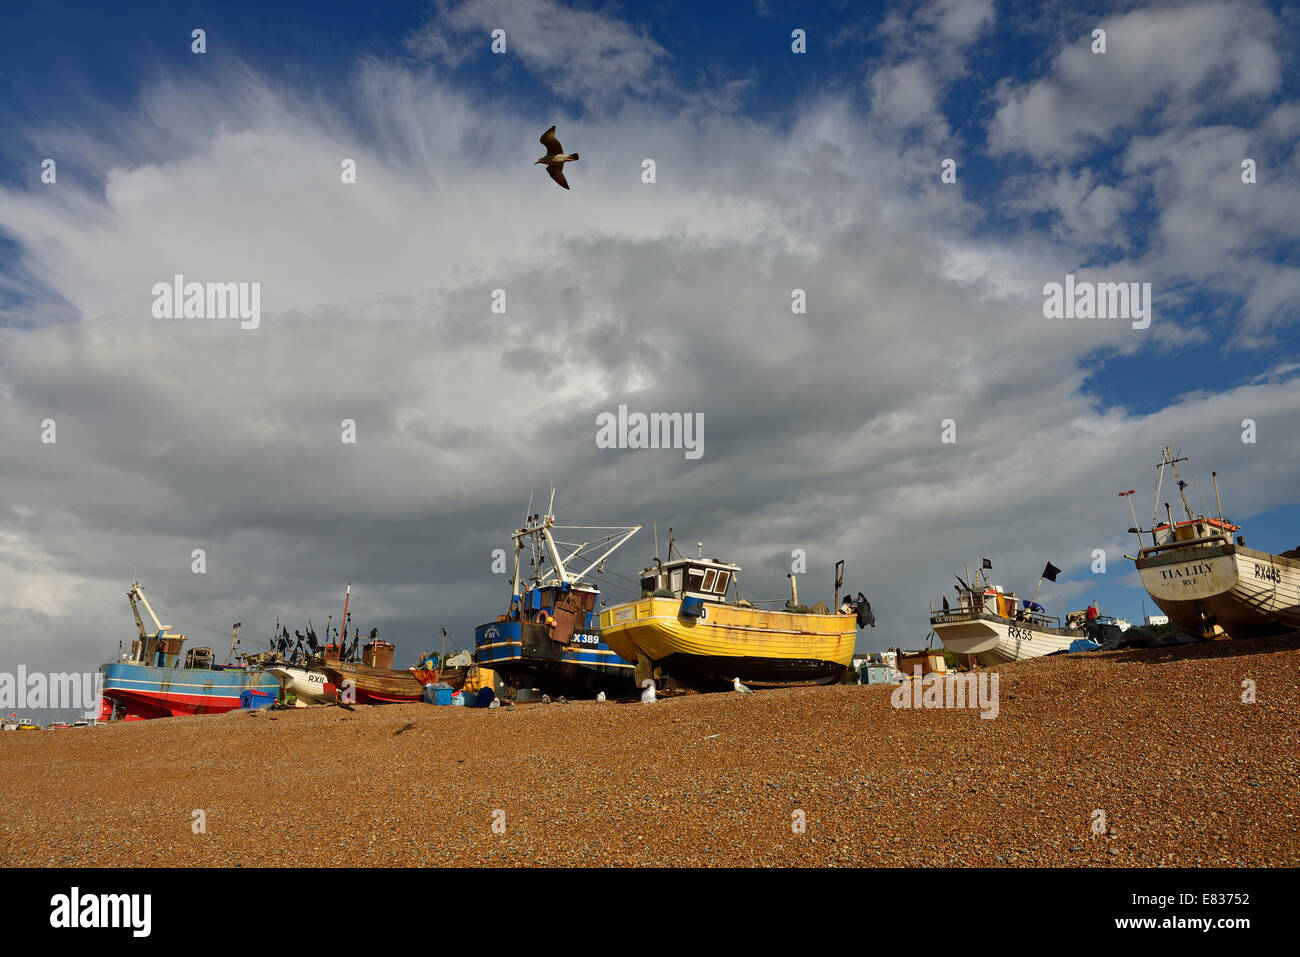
(1038, 618)
(1204, 540)
(1027, 617)
(956, 614)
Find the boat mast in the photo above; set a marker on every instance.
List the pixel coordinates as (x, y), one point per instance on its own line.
(234, 641)
(1173, 463)
(551, 550)
(519, 546)
(538, 530)
(344, 621)
(514, 587)
(1136, 527)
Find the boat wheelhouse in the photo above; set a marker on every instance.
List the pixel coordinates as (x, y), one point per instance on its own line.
(704, 579)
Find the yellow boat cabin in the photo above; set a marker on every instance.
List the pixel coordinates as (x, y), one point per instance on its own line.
(687, 628)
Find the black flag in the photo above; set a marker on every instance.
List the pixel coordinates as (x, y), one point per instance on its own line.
(945, 602)
(987, 563)
(1050, 572)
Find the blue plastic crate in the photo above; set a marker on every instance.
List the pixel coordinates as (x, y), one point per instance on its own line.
(434, 695)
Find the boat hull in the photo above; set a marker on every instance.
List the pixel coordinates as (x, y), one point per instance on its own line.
(309, 687)
(449, 676)
(994, 640)
(765, 648)
(526, 656)
(145, 691)
(1242, 592)
(374, 685)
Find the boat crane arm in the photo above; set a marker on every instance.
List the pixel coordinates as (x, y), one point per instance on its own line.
(609, 551)
(139, 624)
(134, 594)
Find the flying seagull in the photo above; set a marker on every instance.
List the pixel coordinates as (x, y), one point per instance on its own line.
(555, 157)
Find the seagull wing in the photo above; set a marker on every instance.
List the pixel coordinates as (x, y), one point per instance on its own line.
(551, 143)
(557, 173)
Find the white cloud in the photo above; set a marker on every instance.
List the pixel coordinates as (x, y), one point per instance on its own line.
(581, 54)
(822, 430)
(1162, 66)
(905, 96)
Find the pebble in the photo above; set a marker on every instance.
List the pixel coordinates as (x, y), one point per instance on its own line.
(1159, 740)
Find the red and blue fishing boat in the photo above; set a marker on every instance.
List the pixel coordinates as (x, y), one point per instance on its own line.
(153, 681)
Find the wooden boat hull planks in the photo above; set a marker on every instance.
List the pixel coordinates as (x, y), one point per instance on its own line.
(451, 676)
(374, 685)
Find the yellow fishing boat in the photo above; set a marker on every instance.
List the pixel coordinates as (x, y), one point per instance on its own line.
(686, 628)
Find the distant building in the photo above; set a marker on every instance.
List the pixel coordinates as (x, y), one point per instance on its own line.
(1124, 624)
(874, 658)
(1155, 620)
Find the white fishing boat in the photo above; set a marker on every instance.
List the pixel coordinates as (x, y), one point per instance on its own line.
(988, 626)
(305, 684)
(1210, 585)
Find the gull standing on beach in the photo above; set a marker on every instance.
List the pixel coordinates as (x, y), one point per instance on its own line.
(741, 688)
(555, 157)
(648, 696)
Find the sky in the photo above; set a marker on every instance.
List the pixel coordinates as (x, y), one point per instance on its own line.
(774, 171)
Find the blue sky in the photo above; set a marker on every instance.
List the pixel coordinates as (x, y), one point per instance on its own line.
(775, 171)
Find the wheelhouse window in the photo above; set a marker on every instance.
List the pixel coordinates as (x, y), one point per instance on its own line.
(676, 580)
(709, 578)
(723, 579)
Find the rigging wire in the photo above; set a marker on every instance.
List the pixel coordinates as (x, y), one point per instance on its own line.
(190, 621)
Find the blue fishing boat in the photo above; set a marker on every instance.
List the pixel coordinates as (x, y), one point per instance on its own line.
(152, 681)
(549, 637)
